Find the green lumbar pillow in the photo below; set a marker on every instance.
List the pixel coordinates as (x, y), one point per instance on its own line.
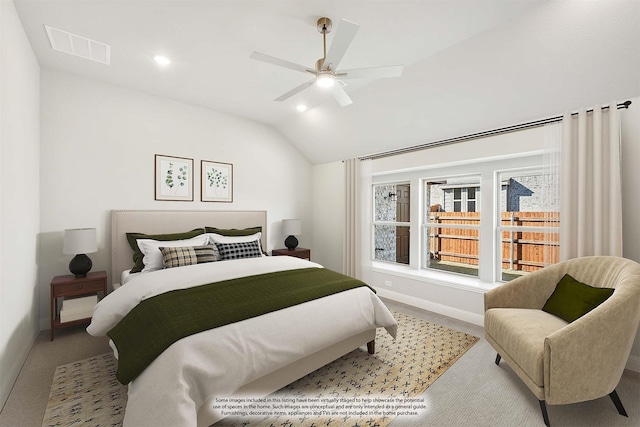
(572, 299)
(233, 231)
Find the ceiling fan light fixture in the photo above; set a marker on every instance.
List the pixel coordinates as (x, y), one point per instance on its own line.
(325, 80)
(162, 60)
(327, 74)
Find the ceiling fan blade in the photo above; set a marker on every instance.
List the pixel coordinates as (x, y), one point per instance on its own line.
(281, 62)
(295, 90)
(344, 36)
(340, 95)
(371, 73)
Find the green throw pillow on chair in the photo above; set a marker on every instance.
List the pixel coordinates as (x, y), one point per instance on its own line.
(572, 299)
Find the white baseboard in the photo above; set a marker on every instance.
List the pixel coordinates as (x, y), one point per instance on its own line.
(456, 313)
(15, 362)
(633, 364)
(45, 323)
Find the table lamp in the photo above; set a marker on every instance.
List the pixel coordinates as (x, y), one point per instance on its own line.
(291, 227)
(78, 242)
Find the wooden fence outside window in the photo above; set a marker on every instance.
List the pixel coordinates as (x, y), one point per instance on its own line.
(521, 250)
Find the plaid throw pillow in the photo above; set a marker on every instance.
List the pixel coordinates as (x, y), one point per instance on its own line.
(188, 255)
(239, 250)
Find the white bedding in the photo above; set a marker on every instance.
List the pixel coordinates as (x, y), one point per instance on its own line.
(124, 278)
(175, 388)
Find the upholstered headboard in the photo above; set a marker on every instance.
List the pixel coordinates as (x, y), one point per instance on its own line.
(156, 222)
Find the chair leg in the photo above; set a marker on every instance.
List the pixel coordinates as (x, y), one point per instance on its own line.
(498, 357)
(616, 401)
(543, 406)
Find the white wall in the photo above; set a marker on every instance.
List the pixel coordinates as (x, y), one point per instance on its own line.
(630, 200)
(467, 304)
(97, 154)
(19, 197)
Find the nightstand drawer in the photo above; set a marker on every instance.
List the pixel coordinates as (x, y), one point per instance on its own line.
(73, 288)
(298, 252)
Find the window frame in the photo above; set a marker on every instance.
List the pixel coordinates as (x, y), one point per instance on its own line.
(487, 204)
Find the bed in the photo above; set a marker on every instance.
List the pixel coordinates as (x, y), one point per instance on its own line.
(252, 357)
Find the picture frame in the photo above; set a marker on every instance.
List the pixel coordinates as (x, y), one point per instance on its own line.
(216, 181)
(173, 178)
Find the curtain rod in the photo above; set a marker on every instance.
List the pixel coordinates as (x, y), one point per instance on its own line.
(506, 129)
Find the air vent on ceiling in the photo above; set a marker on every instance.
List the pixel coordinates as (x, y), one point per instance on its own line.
(74, 44)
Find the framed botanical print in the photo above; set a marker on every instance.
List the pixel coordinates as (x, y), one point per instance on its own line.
(217, 182)
(174, 178)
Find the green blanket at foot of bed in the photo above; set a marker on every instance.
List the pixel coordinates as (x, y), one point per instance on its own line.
(156, 323)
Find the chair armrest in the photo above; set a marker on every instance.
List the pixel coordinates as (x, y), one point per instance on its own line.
(585, 359)
(529, 291)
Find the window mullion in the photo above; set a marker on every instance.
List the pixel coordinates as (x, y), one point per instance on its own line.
(487, 244)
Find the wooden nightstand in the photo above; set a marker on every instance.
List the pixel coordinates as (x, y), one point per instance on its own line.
(303, 253)
(71, 286)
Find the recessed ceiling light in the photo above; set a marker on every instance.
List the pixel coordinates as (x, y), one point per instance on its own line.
(302, 108)
(162, 60)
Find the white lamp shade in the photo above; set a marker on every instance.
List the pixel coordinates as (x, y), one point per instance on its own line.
(291, 227)
(80, 241)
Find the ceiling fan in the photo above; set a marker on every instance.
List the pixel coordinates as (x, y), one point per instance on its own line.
(326, 73)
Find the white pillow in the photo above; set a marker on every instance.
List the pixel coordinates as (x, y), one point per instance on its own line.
(219, 238)
(153, 257)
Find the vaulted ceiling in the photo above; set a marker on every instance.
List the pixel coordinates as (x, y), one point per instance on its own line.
(469, 65)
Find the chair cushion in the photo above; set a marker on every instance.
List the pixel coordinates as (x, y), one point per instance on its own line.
(572, 299)
(521, 333)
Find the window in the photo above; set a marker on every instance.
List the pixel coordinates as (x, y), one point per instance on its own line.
(457, 199)
(494, 219)
(529, 221)
(471, 199)
(391, 223)
(452, 224)
(463, 199)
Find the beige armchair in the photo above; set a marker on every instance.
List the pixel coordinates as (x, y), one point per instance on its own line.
(565, 362)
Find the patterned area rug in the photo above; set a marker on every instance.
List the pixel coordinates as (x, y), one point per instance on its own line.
(358, 389)
(86, 393)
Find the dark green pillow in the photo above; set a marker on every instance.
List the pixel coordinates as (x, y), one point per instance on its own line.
(132, 238)
(572, 299)
(234, 231)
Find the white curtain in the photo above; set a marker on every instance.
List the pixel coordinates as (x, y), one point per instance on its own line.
(366, 217)
(590, 186)
(356, 235)
(550, 204)
(351, 242)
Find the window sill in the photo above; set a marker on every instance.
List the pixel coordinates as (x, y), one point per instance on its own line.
(450, 280)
